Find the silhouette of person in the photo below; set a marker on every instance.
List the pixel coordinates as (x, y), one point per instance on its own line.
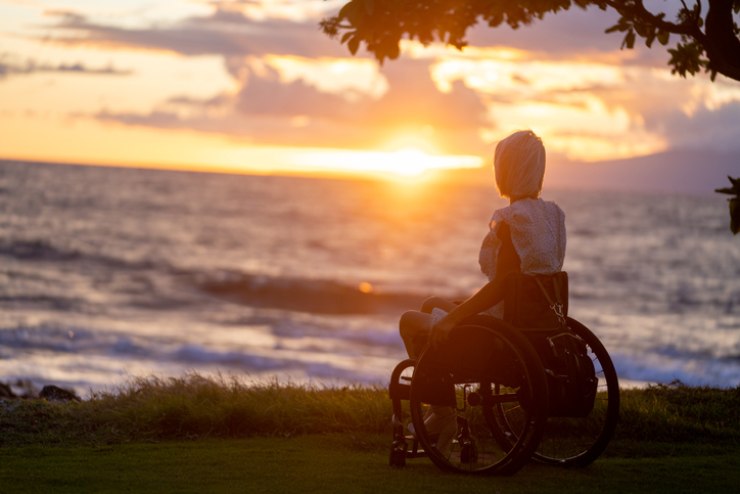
(528, 236)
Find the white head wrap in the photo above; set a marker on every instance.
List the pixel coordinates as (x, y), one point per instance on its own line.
(519, 162)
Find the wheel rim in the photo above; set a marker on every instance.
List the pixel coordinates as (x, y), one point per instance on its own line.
(579, 441)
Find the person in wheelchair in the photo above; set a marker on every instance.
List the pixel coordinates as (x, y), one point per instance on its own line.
(527, 236)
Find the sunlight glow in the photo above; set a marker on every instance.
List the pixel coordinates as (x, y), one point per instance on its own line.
(401, 163)
(365, 287)
(415, 49)
(411, 162)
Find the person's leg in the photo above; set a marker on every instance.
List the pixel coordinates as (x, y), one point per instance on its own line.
(415, 328)
(439, 420)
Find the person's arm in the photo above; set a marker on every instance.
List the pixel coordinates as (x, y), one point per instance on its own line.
(489, 295)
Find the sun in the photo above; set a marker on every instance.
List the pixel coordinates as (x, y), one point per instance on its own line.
(410, 162)
(409, 154)
(407, 163)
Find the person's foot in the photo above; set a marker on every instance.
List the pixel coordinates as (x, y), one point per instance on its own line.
(438, 420)
(442, 423)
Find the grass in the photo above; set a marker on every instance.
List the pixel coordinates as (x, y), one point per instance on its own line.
(194, 434)
(329, 464)
(194, 407)
(197, 407)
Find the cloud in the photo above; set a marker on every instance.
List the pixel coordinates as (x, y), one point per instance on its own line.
(714, 129)
(287, 90)
(10, 69)
(242, 28)
(295, 10)
(223, 32)
(352, 78)
(268, 110)
(564, 34)
(414, 101)
(587, 108)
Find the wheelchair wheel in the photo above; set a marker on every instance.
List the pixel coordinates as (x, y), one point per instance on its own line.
(578, 442)
(481, 368)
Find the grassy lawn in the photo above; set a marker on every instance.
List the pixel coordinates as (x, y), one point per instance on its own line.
(204, 436)
(342, 464)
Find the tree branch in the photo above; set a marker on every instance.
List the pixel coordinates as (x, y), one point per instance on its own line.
(721, 43)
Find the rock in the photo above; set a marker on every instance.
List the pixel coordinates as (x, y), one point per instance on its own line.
(55, 393)
(5, 391)
(24, 388)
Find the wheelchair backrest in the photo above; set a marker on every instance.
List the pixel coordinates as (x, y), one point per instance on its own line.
(536, 301)
(537, 305)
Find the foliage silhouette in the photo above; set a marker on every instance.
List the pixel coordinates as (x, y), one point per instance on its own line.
(708, 40)
(734, 203)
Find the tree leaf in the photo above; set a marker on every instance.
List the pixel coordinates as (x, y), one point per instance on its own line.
(629, 40)
(734, 204)
(347, 9)
(649, 39)
(353, 44)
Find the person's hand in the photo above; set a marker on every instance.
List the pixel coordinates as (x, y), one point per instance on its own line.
(441, 331)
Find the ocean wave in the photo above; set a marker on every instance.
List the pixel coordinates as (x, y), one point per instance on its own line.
(658, 368)
(313, 365)
(85, 352)
(197, 354)
(68, 339)
(36, 250)
(307, 295)
(48, 250)
(60, 303)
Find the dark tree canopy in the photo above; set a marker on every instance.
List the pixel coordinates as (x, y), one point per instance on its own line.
(706, 29)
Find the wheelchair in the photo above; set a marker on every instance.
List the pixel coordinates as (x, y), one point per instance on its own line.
(513, 397)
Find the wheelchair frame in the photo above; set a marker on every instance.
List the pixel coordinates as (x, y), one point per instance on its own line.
(500, 398)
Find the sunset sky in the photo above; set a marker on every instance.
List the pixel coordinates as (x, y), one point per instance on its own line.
(253, 85)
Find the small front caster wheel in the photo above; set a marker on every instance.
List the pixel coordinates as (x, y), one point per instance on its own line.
(468, 453)
(397, 457)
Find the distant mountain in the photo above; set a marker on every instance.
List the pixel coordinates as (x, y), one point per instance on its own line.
(688, 171)
(674, 171)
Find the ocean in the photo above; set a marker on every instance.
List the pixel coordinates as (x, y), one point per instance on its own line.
(110, 274)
